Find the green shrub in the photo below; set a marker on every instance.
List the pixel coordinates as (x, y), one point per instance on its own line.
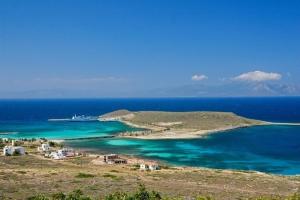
(294, 197)
(110, 176)
(38, 197)
(59, 196)
(140, 194)
(55, 144)
(203, 198)
(83, 175)
(75, 195)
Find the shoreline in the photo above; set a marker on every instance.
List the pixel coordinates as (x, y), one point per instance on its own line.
(163, 133)
(158, 132)
(135, 159)
(190, 134)
(178, 125)
(187, 135)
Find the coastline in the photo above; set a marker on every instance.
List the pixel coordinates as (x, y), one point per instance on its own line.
(173, 134)
(132, 160)
(157, 132)
(178, 125)
(181, 125)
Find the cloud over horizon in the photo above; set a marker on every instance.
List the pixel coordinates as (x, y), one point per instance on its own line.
(199, 77)
(258, 76)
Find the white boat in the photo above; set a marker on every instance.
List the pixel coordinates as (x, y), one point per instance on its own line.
(77, 118)
(82, 118)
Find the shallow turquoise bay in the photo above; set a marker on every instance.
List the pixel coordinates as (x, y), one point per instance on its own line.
(61, 130)
(271, 149)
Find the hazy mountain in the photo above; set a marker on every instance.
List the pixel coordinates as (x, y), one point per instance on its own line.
(229, 89)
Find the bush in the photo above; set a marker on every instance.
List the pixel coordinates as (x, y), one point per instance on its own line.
(38, 197)
(140, 194)
(59, 196)
(203, 198)
(52, 144)
(294, 197)
(83, 175)
(110, 176)
(75, 195)
(55, 144)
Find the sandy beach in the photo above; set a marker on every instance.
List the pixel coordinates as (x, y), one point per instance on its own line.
(179, 134)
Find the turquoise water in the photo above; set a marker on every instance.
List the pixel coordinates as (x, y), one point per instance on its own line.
(272, 149)
(61, 130)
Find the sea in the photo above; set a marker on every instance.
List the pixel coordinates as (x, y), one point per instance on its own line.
(271, 149)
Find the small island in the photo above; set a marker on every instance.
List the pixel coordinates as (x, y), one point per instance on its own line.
(175, 125)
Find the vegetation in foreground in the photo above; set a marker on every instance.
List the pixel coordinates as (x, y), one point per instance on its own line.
(141, 194)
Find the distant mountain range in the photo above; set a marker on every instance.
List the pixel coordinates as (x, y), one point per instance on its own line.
(229, 89)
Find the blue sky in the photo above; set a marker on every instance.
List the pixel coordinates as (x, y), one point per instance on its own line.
(63, 49)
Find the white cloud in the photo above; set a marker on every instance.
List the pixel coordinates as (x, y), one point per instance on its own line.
(258, 76)
(199, 77)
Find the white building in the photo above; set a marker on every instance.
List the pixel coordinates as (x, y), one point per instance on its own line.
(149, 166)
(153, 167)
(66, 152)
(143, 167)
(11, 150)
(44, 148)
(57, 156)
(62, 154)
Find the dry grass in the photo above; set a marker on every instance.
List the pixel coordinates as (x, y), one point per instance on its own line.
(24, 176)
(184, 120)
(194, 120)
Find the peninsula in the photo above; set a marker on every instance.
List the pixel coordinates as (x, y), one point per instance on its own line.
(175, 125)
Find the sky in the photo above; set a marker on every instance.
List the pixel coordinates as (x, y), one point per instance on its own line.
(149, 48)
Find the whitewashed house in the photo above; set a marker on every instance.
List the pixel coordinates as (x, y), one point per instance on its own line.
(57, 156)
(143, 167)
(11, 150)
(44, 147)
(61, 154)
(66, 152)
(153, 167)
(149, 166)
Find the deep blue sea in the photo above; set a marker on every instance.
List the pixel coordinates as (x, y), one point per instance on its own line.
(271, 149)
